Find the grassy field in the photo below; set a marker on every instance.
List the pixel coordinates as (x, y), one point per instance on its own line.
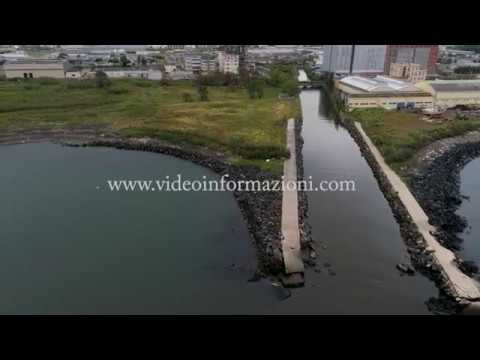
(248, 131)
(400, 135)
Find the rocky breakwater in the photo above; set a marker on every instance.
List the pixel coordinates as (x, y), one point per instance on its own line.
(421, 256)
(261, 209)
(434, 179)
(309, 252)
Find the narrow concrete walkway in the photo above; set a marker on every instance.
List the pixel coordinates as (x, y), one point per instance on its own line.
(464, 286)
(292, 254)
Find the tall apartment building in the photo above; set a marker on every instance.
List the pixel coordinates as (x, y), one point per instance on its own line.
(354, 59)
(228, 62)
(410, 72)
(240, 50)
(193, 63)
(200, 63)
(424, 55)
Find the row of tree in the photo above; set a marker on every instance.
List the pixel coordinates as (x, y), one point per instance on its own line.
(475, 48)
(284, 76)
(467, 70)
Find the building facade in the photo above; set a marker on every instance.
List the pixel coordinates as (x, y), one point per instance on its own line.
(200, 63)
(382, 92)
(424, 55)
(32, 69)
(409, 72)
(228, 62)
(450, 93)
(193, 63)
(366, 60)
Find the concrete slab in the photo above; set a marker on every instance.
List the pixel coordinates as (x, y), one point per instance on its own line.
(464, 286)
(292, 254)
(293, 280)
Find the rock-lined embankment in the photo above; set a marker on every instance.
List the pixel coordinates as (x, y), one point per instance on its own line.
(261, 210)
(434, 179)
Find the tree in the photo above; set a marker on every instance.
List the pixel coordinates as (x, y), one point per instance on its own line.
(123, 60)
(202, 92)
(164, 81)
(290, 88)
(251, 89)
(101, 79)
(255, 88)
(260, 87)
(187, 97)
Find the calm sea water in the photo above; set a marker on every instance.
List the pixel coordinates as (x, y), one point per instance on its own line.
(67, 246)
(470, 186)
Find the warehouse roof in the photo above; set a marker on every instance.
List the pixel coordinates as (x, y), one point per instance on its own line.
(378, 84)
(465, 85)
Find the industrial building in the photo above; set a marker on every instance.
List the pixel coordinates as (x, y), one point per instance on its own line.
(368, 60)
(450, 93)
(409, 72)
(381, 91)
(30, 69)
(424, 55)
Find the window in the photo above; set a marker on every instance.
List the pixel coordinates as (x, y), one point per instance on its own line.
(25, 75)
(31, 76)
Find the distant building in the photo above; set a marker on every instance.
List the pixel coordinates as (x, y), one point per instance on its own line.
(228, 62)
(151, 73)
(180, 75)
(424, 55)
(410, 72)
(239, 50)
(193, 63)
(381, 91)
(30, 69)
(450, 93)
(77, 72)
(198, 63)
(366, 60)
(170, 68)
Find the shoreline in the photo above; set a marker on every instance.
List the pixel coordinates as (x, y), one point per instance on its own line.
(435, 181)
(260, 210)
(420, 254)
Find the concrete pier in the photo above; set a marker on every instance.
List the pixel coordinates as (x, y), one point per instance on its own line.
(291, 248)
(463, 286)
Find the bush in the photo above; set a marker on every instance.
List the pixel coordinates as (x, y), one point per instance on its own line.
(101, 79)
(80, 84)
(255, 151)
(47, 81)
(164, 82)
(187, 97)
(31, 86)
(117, 90)
(143, 83)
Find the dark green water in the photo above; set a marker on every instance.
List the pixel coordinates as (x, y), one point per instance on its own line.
(66, 247)
(470, 186)
(360, 237)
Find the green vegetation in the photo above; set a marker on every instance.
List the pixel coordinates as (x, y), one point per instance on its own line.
(400, 135)
(247, 131)
(467, 70)
(475, 48)
(284, 77)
